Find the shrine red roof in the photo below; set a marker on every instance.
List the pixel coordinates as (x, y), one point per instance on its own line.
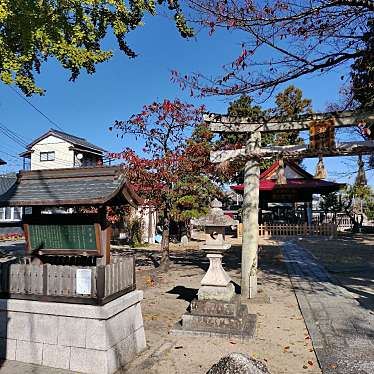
(300, 180)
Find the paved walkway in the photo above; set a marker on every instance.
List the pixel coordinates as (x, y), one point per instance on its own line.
(341, 330)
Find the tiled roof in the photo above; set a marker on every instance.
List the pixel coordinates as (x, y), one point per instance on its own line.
(70, 187)
(75, 140)
(6, 182)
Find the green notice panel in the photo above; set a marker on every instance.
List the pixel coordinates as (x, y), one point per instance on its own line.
(68, 237)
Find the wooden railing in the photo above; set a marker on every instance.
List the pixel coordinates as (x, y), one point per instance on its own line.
(59, 282)
(342, 221)
(277, 230)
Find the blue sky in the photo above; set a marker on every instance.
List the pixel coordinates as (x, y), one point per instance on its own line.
(121, 86)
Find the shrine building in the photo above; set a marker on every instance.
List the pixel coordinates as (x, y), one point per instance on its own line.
(288, 200)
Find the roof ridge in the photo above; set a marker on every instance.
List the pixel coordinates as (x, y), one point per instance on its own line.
(292, 164)
(74, 140)
(66, 133)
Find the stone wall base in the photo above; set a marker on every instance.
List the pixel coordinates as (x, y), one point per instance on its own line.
(82, 338)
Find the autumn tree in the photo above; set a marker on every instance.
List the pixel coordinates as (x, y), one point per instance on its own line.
(70, 31)
(282, 40)
(172, 173)
(195, 188)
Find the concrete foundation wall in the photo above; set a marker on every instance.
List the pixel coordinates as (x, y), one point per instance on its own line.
(83, 338)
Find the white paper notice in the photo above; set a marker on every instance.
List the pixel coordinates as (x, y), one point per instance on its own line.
(83, 281)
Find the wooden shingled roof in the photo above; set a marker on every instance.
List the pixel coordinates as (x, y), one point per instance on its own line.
(71, 187)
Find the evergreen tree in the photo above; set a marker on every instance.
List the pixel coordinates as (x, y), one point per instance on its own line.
(363, 72)
(362, 75)
(289, 104)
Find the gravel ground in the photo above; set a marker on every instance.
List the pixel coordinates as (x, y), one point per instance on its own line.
(282, 341)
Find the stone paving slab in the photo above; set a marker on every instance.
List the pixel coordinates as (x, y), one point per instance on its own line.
(341, 330)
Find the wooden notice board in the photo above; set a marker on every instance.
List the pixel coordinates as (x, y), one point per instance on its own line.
(63, 238)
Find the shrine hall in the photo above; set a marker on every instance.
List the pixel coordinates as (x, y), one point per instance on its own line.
(286, 193)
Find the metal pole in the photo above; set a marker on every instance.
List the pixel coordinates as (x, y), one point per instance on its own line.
(250, 220)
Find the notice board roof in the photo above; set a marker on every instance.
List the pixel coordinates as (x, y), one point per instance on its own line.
(71, 187)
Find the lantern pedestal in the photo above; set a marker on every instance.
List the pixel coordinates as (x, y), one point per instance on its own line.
(217, 310)
(216, 283)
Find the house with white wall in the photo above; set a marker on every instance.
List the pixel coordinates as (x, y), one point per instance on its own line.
(53, 150)
(8, 215)
(56, 149)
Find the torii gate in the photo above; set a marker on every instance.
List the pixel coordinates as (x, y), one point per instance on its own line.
(253, 152)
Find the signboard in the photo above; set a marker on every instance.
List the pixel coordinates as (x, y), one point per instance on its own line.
(83, 281)
(322, 135)
(62, 237)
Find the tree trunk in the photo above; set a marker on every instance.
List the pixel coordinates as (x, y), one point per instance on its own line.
(188, 227)
(165, 253)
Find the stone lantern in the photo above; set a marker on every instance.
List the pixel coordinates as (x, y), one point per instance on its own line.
(216, 283)
(217, 311)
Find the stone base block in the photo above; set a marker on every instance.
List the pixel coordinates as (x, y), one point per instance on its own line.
(82, 338)
(217, 318)
(216, 293)
(216, 308)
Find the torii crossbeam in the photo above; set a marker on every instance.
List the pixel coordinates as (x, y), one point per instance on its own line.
(253, 152)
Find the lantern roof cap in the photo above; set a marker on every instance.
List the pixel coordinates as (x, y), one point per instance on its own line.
(215, 217)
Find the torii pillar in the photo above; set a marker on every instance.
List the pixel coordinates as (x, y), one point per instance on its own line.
(250, 219)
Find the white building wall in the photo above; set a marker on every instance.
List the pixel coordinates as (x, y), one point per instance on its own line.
(64, 157)
(149, 221)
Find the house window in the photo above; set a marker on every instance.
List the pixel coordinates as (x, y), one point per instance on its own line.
(17, 214)
(47, 156)
(10, 214)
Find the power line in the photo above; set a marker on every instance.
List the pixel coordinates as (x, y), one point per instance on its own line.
(37, 109)
(19, 140)
(12, 136)
(21, 137)
(8, 154)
